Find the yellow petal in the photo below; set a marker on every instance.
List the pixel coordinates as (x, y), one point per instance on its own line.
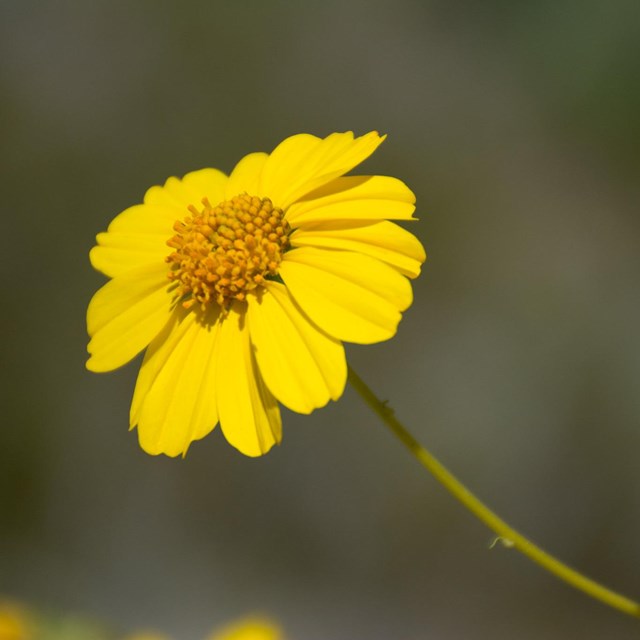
(180, 404)
(245, 177)
(384, 240)
(117, 253)
(126, 314)
(191, 189)
(248, 412)
(303, 163)
(148, 219)
(350, 296)
(301, 365)
(155, 357)
(355, 198)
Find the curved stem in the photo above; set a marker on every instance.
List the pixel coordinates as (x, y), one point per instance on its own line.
(510, 537)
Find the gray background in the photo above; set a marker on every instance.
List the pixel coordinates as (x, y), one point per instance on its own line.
(517, 126)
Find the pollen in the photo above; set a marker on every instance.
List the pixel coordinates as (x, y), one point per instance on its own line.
(222, 253)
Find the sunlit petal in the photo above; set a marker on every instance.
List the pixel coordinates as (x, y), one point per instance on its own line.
(303, 163)
(384, 240)
(126, 314)
(350, 296)
(116, 253)
(190, 190)
(245, 177)
(355, 198)
(302, 366)
(248, 412)
(178, 405)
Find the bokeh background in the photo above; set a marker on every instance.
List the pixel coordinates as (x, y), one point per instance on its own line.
(516, 124)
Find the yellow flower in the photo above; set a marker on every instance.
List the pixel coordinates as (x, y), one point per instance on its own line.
(252, 629)
(243, 287)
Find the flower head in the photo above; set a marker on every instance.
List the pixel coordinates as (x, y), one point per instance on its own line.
(242, 289)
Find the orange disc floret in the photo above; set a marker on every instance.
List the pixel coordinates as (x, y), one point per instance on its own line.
(224, 252)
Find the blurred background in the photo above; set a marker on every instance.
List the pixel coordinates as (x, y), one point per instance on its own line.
(518, 127)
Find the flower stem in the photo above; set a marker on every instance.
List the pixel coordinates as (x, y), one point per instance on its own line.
(510, 537)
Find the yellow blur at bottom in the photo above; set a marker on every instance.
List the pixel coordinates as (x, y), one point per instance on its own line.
(251, 629)
(19, 622)
(13, 622)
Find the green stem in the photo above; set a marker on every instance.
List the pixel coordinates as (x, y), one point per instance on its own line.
(510, 537)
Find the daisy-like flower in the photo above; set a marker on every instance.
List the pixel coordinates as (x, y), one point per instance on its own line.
(242, 289)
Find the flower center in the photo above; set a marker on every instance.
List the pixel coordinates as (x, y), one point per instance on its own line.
(224, 252)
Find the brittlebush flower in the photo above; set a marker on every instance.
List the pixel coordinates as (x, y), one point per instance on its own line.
(242, 288)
